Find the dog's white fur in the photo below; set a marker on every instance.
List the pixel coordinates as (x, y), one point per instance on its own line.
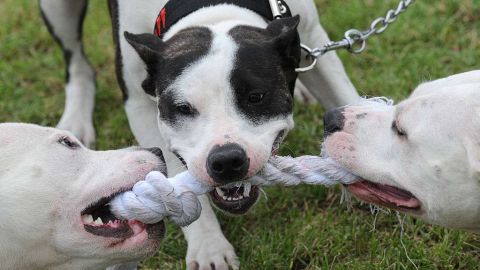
(328, 82)
(438, 161)
(44, 186)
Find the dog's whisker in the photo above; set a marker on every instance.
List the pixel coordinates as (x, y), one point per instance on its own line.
(264, 193)
(402, 223)
(374, 222)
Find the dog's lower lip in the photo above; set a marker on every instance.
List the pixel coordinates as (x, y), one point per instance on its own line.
(232, 200)
(385, 195)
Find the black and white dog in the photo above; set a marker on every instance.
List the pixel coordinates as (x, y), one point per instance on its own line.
(215, 90)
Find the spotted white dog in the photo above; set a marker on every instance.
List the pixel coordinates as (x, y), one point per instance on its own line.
(215, 91)
(421, 157)
(54, 194)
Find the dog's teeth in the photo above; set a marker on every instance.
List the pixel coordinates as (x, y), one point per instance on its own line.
(98, 221)
(219, 191)
(246, 189)
(224, 198)
(230, 198)
(241, 197)
(87, 219)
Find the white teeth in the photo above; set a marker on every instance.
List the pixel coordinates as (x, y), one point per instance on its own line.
(98, 221)
(87, 219)
(219, 191)
(241, 197)
(224, 198)
(247, 187)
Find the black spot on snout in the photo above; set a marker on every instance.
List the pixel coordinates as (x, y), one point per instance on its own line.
(361, 116)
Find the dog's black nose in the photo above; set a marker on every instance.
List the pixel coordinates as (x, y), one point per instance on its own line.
(333, 121)
(157, 152)
(227, 163)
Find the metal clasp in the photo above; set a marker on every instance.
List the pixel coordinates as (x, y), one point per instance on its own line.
(278, 9)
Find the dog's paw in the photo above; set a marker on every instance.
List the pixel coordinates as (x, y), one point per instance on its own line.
(211, 252)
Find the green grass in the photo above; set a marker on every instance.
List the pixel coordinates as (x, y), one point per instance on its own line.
(295, 228)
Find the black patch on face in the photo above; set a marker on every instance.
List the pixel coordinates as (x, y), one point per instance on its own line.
(165, 62)
(171, 111)
(180, 51)
(261, 67)
(166, 106)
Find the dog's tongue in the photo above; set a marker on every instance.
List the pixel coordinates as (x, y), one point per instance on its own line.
(383, 195)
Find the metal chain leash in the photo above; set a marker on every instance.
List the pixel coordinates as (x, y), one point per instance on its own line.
(355, 41)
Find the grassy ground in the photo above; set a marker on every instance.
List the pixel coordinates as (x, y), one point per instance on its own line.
(295, 228)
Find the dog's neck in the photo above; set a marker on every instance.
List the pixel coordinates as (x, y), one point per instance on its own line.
(220, 15)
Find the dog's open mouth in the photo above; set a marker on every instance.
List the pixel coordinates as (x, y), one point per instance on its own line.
(100, 221)
(236, 199)
(384, 195)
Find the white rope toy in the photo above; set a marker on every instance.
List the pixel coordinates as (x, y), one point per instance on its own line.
(158, 197)
(311, 170)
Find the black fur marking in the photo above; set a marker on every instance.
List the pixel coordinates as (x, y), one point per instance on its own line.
(265, 64)
(169, 109)
(113, 9)
(166, 61)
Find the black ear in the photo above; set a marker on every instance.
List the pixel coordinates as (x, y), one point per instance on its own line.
(286, 39)
(149, 48)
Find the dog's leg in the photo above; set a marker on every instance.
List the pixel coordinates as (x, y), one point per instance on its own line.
(64, 20)
(328, 81)
(207, 246)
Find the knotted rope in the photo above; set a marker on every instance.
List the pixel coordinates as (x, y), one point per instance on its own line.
(158, 197)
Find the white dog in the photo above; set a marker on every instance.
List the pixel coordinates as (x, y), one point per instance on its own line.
(421, 157)
(218, 80)
(54, 194)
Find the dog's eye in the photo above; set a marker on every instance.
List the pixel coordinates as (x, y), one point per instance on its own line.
(255, 97)
(185, 109)
(68, 142)
(398, 130)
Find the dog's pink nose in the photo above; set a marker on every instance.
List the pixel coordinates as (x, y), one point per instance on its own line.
(227, 163)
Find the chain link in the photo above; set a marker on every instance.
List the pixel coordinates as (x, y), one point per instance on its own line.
(355, 40)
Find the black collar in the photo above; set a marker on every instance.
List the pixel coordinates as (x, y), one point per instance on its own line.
(175, 10)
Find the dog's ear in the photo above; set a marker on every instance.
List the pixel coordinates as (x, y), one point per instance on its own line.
(286, 39)
(149, 48)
